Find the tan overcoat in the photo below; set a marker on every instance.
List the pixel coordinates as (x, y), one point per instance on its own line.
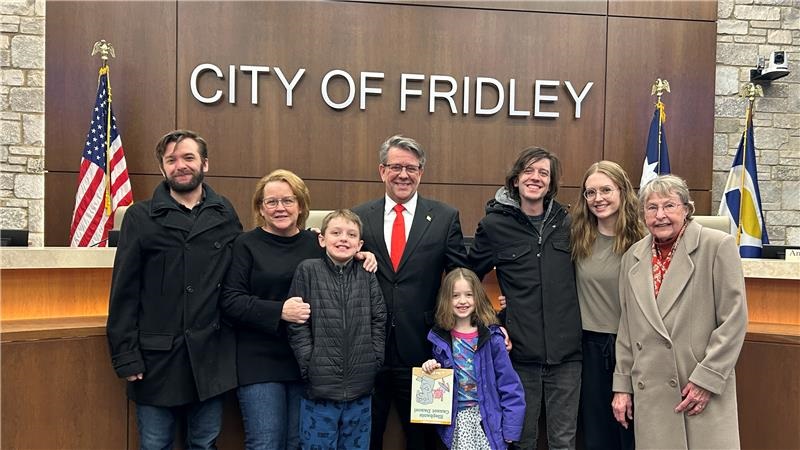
(693, 332)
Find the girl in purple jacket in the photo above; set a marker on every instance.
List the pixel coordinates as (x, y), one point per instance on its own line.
(489, 403)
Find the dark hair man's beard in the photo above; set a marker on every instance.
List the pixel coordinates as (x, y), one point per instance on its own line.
(197, 179)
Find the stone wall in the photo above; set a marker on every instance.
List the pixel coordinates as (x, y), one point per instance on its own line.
(747, 29)
(22, 116)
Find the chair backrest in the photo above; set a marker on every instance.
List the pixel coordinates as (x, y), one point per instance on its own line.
(315, 217)
(721, 223)
(119, 214)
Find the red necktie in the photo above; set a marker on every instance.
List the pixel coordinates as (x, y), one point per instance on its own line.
(398, 236)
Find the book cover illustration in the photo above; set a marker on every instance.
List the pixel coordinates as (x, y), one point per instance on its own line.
(432, 396)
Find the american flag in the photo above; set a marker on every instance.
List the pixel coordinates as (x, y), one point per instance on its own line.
(100, 191)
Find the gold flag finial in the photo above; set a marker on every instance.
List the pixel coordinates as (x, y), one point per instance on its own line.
(659, 87)
(751, 91)
(104, 49)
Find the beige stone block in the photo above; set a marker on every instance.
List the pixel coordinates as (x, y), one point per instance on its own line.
(779, 37)
(787, 121)
(32, 26)
(792, 236)
(724, 8)
(757, 12)
(737, 54)
(27, 151)
(36, 216)
(12, 77)
(727, 80)
(25, 99)
(10, 132)
(13, 218)
(17, 7)
(765, 24)
(27, 52)
(750, 40)
(732, 27)
(33, 129)
(29, 186)
(35, 78)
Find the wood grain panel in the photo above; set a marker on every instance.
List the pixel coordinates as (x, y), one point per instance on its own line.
(573, 6)
(768, 393)
(659, 9)
(321, 143)
(641, 50)
(773, 301)
(66, 293)
(142, 76)
(62, 393)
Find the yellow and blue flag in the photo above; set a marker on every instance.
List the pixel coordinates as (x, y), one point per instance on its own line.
(656, 158)
(741, 200)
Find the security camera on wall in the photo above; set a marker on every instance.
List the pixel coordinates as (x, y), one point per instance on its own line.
(767, 70)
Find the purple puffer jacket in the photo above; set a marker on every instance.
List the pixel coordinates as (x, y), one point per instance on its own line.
(501, 399)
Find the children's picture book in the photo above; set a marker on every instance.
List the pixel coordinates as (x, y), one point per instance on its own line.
(432, 396)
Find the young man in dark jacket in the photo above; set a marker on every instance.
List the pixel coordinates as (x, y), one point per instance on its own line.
(525, 236)
(164, 326)
(341, 347)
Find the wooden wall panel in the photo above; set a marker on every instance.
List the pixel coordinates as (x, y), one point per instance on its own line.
(660, 9)
(321, 143)
(62, 393)
(572, 6)
(768, 395)
(641, 50)
(142, 76)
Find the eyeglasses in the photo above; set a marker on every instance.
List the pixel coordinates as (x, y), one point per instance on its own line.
(604, 192)
(398, 168)
(287, 202)
(668, 208)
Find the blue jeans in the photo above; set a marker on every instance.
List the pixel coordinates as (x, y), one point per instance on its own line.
(560, 386)
(341, 425)
(157, 424)
(271, 415)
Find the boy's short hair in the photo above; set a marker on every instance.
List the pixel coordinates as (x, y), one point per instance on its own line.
(345, 214)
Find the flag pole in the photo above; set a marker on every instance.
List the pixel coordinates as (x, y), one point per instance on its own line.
(658, 89)
(750, 91)
(105, 49)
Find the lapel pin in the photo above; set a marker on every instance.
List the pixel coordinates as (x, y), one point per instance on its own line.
(429, 218)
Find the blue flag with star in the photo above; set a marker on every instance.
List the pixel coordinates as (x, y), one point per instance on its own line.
(656, 157)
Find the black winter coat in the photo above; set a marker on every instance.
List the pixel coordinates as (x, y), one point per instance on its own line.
(164, 316)
(537, 276)
(341, 347)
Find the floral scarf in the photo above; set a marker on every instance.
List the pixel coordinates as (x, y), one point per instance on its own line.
(660, 262)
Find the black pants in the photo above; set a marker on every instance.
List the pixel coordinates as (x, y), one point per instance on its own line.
(600, 430)
(393, 384)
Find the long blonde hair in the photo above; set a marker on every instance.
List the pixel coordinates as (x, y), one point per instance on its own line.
(484, 313)
(629, 227)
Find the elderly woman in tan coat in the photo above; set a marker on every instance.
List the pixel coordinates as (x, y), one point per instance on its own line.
(684, 317)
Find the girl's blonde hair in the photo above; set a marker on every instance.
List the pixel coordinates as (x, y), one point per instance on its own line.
(629, 226)
(484, 313)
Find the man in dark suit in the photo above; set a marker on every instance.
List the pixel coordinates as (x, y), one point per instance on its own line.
(415, 241)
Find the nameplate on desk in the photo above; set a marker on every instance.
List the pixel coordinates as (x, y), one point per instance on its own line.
(793, 254)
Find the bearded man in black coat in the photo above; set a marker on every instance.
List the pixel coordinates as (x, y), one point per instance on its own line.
(164, 328)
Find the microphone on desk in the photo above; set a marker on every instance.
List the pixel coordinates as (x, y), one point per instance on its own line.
(112, 239)
(98, 243)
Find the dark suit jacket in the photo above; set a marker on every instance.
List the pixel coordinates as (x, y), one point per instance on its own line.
(435, 245)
